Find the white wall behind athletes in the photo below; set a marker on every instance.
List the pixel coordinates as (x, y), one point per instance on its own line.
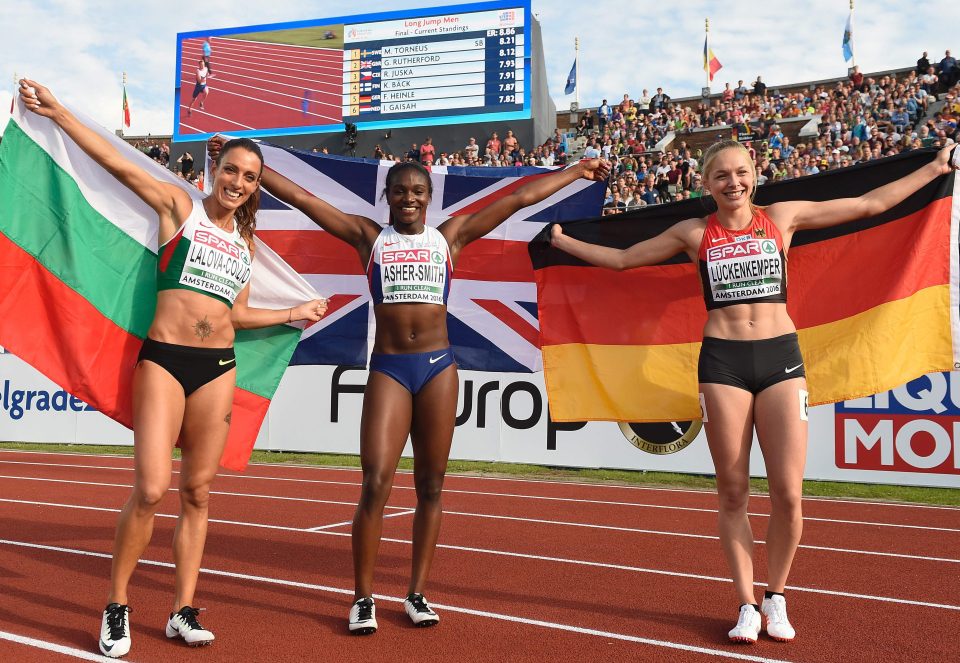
(909, 436)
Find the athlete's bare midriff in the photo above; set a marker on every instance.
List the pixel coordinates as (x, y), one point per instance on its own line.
(410, 328)
(185, 317)
(749, 322)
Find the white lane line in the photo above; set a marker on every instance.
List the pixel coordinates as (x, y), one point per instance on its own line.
(575, 500)
(549, 482)
(52, 646)
(654, 532)
(452, 608)
(308, 500)
(220, 90)
(321, 528)
(518, 555)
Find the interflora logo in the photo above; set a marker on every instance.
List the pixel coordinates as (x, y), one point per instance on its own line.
(18, 402)
(913, 428)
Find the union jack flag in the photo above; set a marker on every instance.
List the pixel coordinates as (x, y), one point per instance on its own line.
(492, 311)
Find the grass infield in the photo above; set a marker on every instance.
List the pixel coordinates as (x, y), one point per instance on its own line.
(864, 491)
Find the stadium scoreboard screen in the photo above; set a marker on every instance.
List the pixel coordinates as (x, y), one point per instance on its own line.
(443, 65)
(450, 64)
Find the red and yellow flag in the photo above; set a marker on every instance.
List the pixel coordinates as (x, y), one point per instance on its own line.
(875, 302)
(711, 64)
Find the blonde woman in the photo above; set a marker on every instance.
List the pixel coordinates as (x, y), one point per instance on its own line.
(751, 373)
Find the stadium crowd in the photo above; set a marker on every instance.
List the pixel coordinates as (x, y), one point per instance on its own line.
(861, 118)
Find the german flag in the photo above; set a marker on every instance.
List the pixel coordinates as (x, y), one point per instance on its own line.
(875, 301)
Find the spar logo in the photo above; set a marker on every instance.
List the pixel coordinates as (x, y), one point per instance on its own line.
(753, 247)
(406, 255)
(913, 428)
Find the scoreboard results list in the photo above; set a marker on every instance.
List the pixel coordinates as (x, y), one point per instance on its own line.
(441, 65)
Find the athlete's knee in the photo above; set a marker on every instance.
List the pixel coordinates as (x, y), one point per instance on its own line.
(786, 503)
(195, 495)
(147, 496)
(376, 487)
(429, 488)
(733, 496)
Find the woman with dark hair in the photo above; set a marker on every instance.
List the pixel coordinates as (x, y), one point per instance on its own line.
(413, 384)
(751, 373)
(185, 375)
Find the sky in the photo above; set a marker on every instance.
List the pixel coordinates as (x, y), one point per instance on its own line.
(79, 48)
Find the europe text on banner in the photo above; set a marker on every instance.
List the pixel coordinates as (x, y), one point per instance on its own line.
(492, 310)
(78, 261)
(875, 302)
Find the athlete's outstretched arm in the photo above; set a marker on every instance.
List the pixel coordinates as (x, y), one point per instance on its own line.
(463, 229)
(804, 214)
(357, 231)
(245, 317)
(680, 237)
(171, 203)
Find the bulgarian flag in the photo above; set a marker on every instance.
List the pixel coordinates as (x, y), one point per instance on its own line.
(126, 108)
(875, 302)
(78, 264)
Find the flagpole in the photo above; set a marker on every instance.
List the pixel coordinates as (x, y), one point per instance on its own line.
(853, 60)
(576, 61)
(706, 52)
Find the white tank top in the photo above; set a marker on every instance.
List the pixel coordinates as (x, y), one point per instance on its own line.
(410, 268)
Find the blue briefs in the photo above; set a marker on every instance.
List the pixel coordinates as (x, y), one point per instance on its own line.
(414, 370)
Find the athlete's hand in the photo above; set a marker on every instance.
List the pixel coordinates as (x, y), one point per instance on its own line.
(214, 145)
(556, 232)
(38, 98)
(312, 310)
(596, 170)
(948, 158)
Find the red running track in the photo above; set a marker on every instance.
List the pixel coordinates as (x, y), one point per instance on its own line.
(526, 570)
(258, 85)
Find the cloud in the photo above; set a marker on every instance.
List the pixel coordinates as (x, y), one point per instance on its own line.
(81, 48)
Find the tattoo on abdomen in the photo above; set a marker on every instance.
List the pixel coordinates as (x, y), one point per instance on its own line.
(203, 328)
(228, 418)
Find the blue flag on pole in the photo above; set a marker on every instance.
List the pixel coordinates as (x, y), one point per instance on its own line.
(848, 38)
(571, 79)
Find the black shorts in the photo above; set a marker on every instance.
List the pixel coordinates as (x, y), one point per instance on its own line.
(750, 365)
(191, 367)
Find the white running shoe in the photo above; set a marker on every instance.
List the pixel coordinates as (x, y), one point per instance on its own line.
(184, 623)
(778, 626)
(747, 629)
(363, 617)
(419, 611)
(115, 631)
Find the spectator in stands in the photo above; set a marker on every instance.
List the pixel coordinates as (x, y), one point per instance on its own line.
(948, 70)
(427, 152)
(510, 145)
(759, 88)
(930, 81)
(659, 101)
(856, 77)
(186, 164)
(922, 64)
(592, 151)
(413, 154)
(603, 115)
(643, 103)
(472, 150)
(740, 91)
(494, 145)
